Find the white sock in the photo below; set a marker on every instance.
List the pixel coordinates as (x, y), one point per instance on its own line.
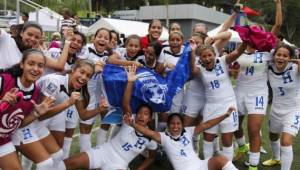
(26, 163)
(275, 146)
(101, 136)
(57, 157)
(45, 165)
(216, 144)
(241, 141)
(196, 143)
(286, 157)
(67, 147)
(208, 150)
(161, 126)
(61, 166)
(254, 158)
(229, 166)
(85, 142)
(228, 152)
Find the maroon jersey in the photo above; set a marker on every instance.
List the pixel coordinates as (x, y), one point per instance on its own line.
(12, 117)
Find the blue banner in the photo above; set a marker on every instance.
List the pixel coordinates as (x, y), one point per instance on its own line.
(150, 87)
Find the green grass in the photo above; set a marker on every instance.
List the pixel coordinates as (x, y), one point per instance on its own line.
(164, 164)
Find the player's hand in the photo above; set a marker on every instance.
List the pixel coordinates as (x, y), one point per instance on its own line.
(43, 107)
(128, 119)
(193, 44)
(74, 97)
(230, 111)
(209, 40)
(137, 64)
(131, 73)
(103, 105)
(10, 96)
(99, 66)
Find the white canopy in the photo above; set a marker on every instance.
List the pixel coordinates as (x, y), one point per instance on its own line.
(48, 19)
(234, 37)
(125, 27)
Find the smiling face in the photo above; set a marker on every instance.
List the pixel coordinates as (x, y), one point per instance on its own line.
(150, 55)
(76, 44)
(281, 58)
(113, 40)
(143, 116)
(81, 75)
(175, 27)
(207, 58)
(133, 47)
(175, 126)
(33, 68)
(101, 40)
(31, 37)
(155, 30)
(175, 42)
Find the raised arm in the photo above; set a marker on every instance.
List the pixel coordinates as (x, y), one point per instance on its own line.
(206, 125)
(278, 20)
(86, 114)
(61, 106)
(194, 69)
(144, 130)
(115, 59)
(131, 77)
(219, 40)
(59, 64)
(236, 53)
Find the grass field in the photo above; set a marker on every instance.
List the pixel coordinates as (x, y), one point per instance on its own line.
(163, 164)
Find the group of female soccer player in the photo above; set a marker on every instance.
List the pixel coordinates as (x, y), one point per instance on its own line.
(44, 93)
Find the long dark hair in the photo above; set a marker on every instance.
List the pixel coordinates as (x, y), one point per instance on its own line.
(18, 37)
(84, 88)
(289, 48)
(16, 70)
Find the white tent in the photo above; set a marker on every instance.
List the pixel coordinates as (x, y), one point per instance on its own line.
(48, 19)
(125, 27)
(234, 37)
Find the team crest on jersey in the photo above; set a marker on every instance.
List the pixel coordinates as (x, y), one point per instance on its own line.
(151, 89)
(51, 88)
(218, 69)
(10, 122)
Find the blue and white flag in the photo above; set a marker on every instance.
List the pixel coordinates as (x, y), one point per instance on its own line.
(150, 87)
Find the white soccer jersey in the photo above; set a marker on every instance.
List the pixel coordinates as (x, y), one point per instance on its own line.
(127, 144)
(217, 83)
(253, 72)
(122, 52)
(166, 56)
(9, 51)
(180, 151)
(284, 86)
(56, 86)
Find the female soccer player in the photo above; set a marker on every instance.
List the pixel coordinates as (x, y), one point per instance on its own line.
(22, 111)
(154, 32)
(219, 95)
(176, 141)
(124, 147)
(284, 116)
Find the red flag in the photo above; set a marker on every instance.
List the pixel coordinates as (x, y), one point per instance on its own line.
(250, 12)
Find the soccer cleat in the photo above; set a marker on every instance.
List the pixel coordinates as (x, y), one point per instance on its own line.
(240, 152)
(263, 150)
(252, 168)
(271, 162)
